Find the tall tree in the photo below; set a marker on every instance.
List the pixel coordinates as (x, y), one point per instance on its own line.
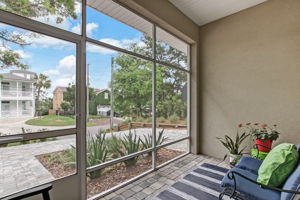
(132, 82)
(132, 86)
(70, 94)
(60, 9)
(41, 84)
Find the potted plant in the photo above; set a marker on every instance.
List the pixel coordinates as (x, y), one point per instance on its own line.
(263, 135)
(233, 146)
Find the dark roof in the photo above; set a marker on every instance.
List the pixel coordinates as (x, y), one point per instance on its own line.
(98, 91)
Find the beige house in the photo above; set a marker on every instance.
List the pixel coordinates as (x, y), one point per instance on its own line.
(58, 98)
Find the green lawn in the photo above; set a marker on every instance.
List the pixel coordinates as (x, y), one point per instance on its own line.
(53, 120)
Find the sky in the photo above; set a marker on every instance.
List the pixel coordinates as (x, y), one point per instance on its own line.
(57, 58)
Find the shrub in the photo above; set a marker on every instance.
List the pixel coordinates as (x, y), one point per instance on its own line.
(130, 144)
(147, 143)
(148, 120)
(96, 153)
(95, 117)
(113, 144)
(161, 119)
(174, 118)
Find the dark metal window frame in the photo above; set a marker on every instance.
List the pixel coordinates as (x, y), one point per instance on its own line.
(81, 97)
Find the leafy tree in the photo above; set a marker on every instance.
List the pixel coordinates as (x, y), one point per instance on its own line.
(41, 84)
(9, 57)
(132, 86)
(45, 105)
(60, 9)
(132, 82)
(65, 106)
(99, 99)
(70, 95)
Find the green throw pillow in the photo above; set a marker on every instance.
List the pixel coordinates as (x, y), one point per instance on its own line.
(278, 165)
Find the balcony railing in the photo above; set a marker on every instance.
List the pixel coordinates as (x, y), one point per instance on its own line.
(13, 113)
(26, 112)
(14, 92)
(6, 114)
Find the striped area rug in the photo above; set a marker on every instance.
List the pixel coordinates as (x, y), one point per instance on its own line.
(202, 183)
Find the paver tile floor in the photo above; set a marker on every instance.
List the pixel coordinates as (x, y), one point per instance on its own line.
(151, 185)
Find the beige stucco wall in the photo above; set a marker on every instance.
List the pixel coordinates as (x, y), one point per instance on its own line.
(58, 98)
(250, 72)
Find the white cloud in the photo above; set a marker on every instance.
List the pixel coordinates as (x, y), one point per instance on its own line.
(125, 43)
(90, 27)
(97, 49)
(51, 72)
(43, 41)
(64, 81)
(67, 64)
(23, 54)
(76, 29)
(117, 43)
(51, 20)
(78, 8)
(64, 73)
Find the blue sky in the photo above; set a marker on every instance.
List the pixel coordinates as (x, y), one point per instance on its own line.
(57, 58)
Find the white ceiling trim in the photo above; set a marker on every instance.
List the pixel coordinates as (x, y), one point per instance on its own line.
(206, 11)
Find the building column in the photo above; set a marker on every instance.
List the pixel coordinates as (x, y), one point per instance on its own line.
(18, 108)
(0, 99)
(17, 88)
(33, 101)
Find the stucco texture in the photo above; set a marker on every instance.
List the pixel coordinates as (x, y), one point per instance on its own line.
(250, 72)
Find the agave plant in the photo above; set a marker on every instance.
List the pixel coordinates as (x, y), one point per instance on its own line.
(233, 145)
(113, 145)
(96, 153)
(130, 144)
(147, 141)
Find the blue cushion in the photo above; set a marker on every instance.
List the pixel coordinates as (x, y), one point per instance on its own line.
(298, 147)
(247, 189)
(292, 183)
(250, 164)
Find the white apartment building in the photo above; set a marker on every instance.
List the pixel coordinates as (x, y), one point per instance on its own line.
(17, 94)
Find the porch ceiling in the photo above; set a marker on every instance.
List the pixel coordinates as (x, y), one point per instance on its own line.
(129, 18)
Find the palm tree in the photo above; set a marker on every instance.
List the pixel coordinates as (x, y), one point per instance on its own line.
(41, 83)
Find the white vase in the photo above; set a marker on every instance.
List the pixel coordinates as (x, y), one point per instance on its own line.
(234, 158)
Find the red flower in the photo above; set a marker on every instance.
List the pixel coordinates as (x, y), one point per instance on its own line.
(264, 125)
(240, 125)
(248, 123)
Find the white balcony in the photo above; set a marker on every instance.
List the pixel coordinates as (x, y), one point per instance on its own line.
(14, 92)
(13, 113)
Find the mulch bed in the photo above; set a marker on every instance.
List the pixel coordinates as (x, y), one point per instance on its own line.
(112, 175)
(56, 168)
